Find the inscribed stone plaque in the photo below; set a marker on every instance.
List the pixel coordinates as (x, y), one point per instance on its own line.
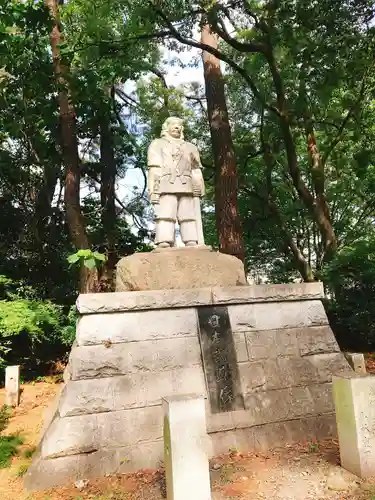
(219, 359)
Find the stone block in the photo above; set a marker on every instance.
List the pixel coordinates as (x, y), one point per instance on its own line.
(316, 340)
(261, 344)
(91, 433)
(327, 365)
(186, 450)
(268, 293)
(278, 315)
(136, 326)
(93, 303)
(240, 347)
(279, 405)
(354, 397)
(233, 440)
(238, 419)
(284, 372)
(12, 385)
(262, 438)
(267, 344)
(55, 472)
(81, 397)
(122, 359)
(357, 362)
(323, 398)
(178, 269)
(242, 317)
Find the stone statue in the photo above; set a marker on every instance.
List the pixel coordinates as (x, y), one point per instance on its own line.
(175, 186)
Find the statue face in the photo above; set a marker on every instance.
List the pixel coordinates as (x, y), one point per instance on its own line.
(175, 130)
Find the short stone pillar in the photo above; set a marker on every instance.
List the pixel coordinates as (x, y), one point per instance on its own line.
(12, 385)
(356, 361)
(186, 448)
(354, 397)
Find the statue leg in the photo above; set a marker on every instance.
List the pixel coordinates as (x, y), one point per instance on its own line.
(186, 219)
(166, 220)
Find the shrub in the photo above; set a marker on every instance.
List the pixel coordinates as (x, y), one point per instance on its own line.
(33, 333)
(9, 448)
(350, 279)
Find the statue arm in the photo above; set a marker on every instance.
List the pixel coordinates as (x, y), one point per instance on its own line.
(197, 176)
(154, 164)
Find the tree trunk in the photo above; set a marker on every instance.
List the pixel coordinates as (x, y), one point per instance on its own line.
(107, 196)
(69, 143)
(228, 222)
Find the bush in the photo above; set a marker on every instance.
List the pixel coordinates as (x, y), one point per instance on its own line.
(33, 333)
(350, 280)
(8, 449)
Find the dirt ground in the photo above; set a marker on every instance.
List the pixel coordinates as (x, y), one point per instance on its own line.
(301, 472)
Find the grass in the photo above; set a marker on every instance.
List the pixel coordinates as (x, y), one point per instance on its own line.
(8, 449)
(5, 414)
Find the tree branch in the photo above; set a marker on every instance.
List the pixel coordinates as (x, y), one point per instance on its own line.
(218, 54)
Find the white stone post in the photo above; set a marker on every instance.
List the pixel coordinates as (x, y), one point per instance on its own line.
(354, 397)
(12, 385)
(186, 447)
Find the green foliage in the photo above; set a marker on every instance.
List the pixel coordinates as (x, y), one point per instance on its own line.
(5, 414)
(9, 447)
(88, 258)
(351, 284)
(32, 332)
(68, 331)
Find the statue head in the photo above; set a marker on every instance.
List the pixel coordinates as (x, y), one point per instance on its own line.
(173, 127)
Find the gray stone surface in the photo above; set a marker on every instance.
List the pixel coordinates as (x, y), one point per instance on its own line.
(272, 316)
(12, 385)
(178, 269)
(269, 293)
(92, 303)
(91, 433)
(82, 397)
(135, 348)
(354, 397)
(282, 404)
(51, 473)
(241, 347)
(191, 297)
(304, 341)
(280, 373)
(263, 437)
(186, 450)
(98, 361)
(135, 326)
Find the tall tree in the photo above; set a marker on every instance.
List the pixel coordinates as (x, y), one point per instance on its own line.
(228, 220)
(69, 145)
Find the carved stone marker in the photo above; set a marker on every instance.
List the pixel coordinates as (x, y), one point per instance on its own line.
(219, 359)
(12, 385)
(186, 448)
(354, 397)
(175, 185)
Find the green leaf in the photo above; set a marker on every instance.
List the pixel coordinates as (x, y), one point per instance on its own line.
(90, 263)
(84, 253)
(99, 256)
(72, 259)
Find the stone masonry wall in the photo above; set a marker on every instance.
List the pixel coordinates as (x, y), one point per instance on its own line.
(133, 348)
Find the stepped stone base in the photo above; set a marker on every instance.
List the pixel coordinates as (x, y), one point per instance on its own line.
(134, 348)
